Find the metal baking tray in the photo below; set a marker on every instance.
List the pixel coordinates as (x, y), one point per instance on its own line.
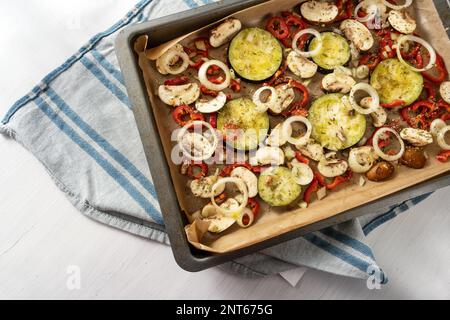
(160, 31)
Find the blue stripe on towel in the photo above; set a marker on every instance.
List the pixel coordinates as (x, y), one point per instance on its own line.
(349, 241)
(108, 66)
(104, 144)
(341, 254)
(105, 81)
(101, 161)
(191, 3)
(72, 60)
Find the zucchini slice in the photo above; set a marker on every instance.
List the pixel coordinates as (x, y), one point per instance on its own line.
(335, 51)
(277, 187)
(335, 126)
(255, 54)
(395, 81)
(240, 116)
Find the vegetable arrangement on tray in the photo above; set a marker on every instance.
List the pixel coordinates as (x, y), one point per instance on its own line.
(385, 98)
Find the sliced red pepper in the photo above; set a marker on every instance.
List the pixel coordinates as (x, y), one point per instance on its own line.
(213, 70)
(201, 174)
(443, 156)
(226, 171)
(278, 75)
(254, 206)
(213, 120)
(393, 104)
(424, 107)
(442, 72)
(299, 105)
(182, 112)
(278, 28)
(429, 90)
(176, 81)
(313, 187)
(345, 9)
(370, 60)
(321, 179)
(205, 91)
(216, 79)
(340, 180)
(235, 85)
(300, 158)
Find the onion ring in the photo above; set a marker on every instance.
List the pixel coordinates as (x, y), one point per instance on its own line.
(287, 127)
(165, 61)
(308, 54)
(302, 172)
(375, 103)
(397, 7)
(264, 106)
(427, 46)
(372, 12)
(436, 126)
(202, 75)
(210, 150)
(441, 138)
(251, 216)
(380, 152)
(242, 188)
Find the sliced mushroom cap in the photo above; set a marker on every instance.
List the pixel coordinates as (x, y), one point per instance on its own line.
(338, 81)
(202, 188)
(300, 66)
(249, 178)
(276, 137)
(379, 117)
(179, 95)
(417, 137)
(285, 96)
(211, 106)
(444, 90)
(220, 223)
(358, 34)
(224, 32)
(319, 12)
(161, 66)
(312, 150)
(270, 156)
(402, 21)
(332, 168)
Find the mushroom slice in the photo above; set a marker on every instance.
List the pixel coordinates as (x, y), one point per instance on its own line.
(302, 172)
(270, 156)
(161, 61)
(211, 106)
(249, 178)
(220, 223)
(358, 34)
(379, 116)
(402, 21)
(179, 95)
(276, 137)
(338, 81)
(300, 66)
(319, 12)
(225, 32)
(417, 137)
(444, 90)
(332, 168)
(312, 150)
(286, 96)
(202, 187)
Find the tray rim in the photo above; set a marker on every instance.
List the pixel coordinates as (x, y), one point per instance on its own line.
(187, 257)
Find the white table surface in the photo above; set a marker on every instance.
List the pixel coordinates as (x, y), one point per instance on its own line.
(42, 235)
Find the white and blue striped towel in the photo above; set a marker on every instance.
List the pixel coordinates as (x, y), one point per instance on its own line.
(78, 122)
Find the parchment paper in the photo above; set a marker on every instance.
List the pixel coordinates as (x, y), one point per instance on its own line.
(274, 222)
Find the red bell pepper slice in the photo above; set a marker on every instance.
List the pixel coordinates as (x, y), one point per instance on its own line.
(213, 120)
(299, 106)
(235, 85)
(278, 28)
(201, 174)
(393, 104)
(226, 171)
(254, 206)
(442, 72)
(176, 81)
(443, 156)
(429, 90)
(370, 60)
(205, 91)
(300, 158)
(313, 187)
(182, 112)
(340, 180)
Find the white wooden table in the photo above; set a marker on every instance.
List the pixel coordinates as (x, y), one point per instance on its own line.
(42, 235)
